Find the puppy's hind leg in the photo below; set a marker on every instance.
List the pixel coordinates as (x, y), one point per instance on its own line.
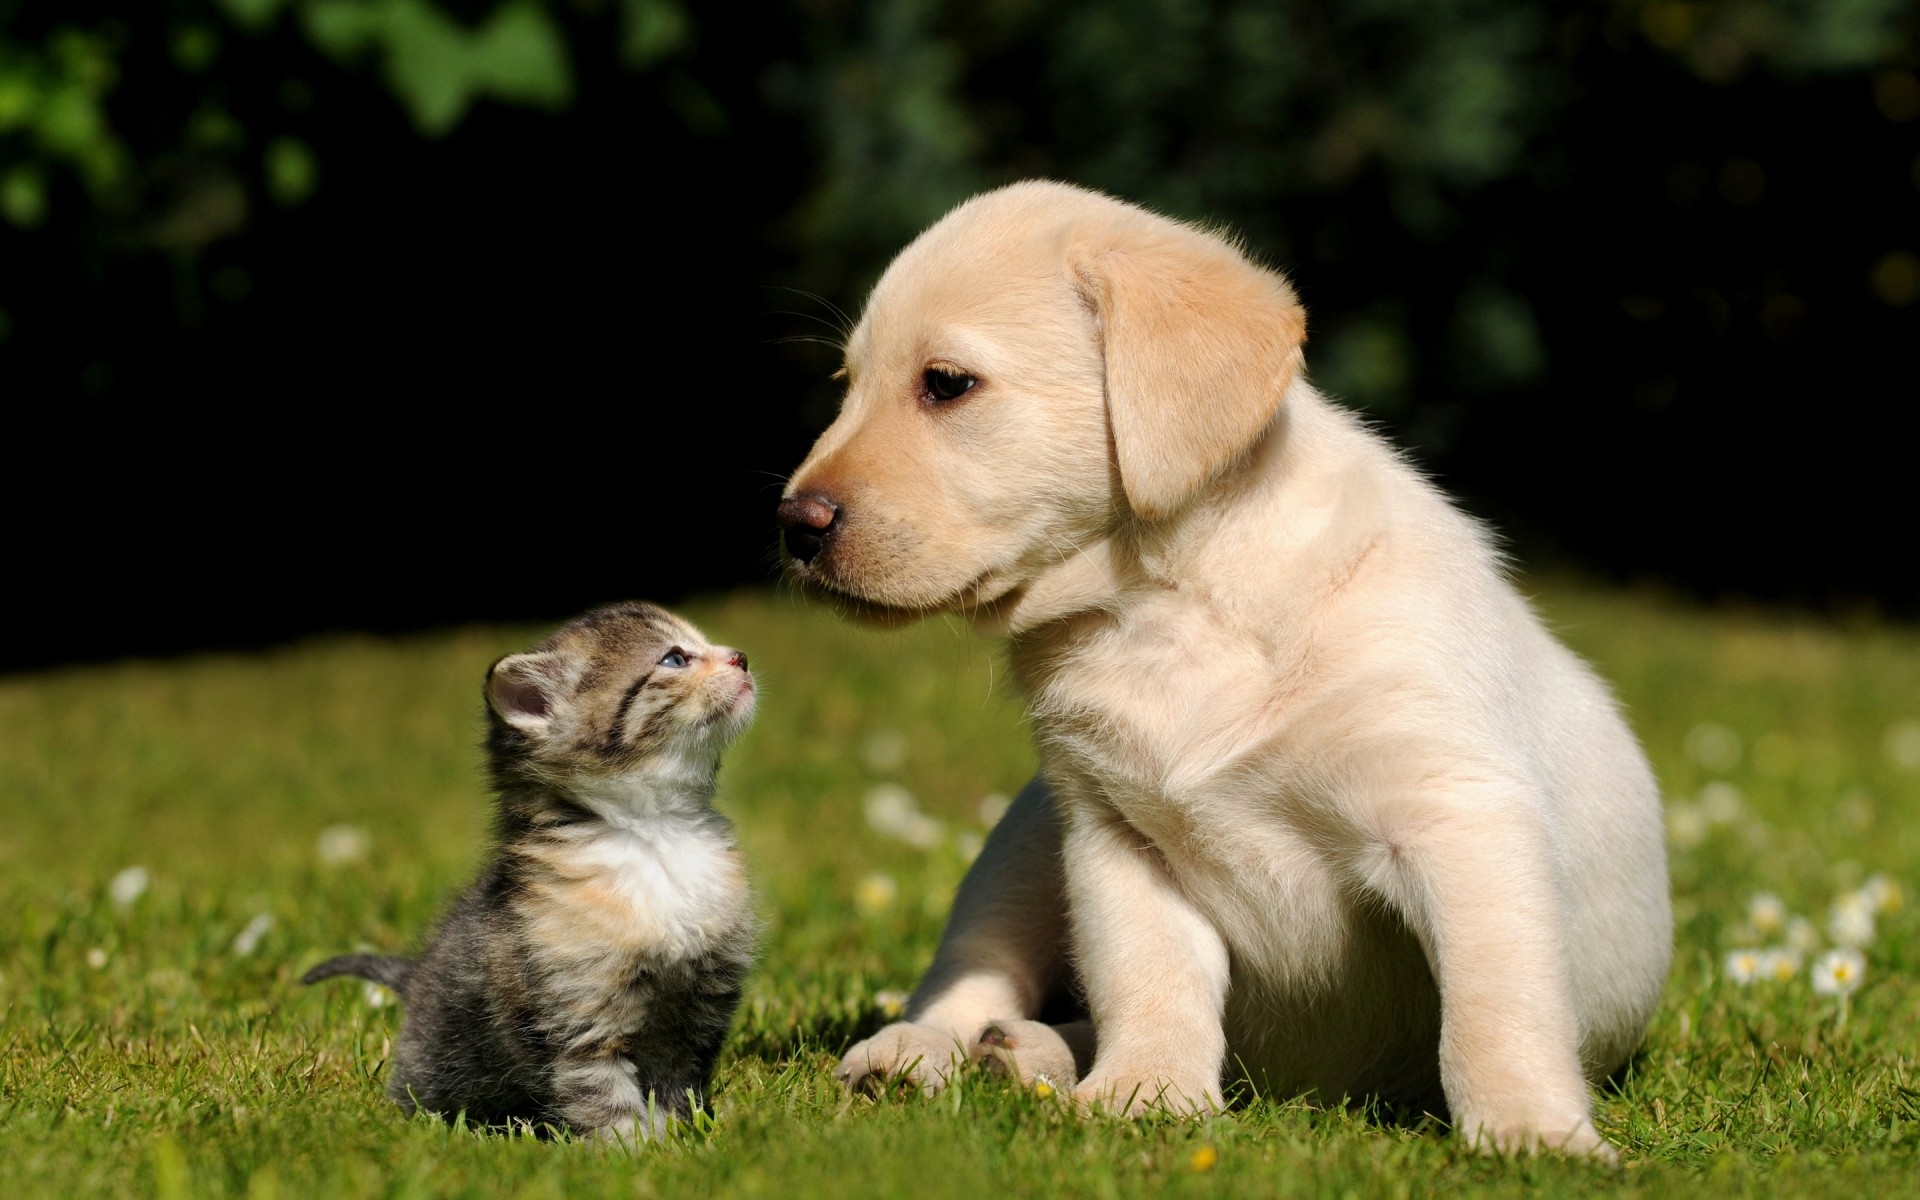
(1003, 952)
(1475, 877)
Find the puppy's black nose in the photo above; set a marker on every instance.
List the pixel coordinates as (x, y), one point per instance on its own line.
(808, 520)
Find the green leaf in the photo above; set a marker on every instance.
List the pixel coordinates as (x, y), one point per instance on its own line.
(654, 30)
(23, 196)
(427, 64)
(194, 47)
(343, 28)
(18, 98)
(520, 56)
(292, 171)
(253, 15)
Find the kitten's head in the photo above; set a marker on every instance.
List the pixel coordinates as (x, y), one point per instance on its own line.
(623, 689)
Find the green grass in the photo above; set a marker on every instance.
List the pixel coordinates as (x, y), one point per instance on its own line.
(142, 1053)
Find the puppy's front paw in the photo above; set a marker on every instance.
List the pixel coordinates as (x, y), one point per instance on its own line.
(1576, 1138)
(1031, 1052)
(1136, 1095)
(924, 1056)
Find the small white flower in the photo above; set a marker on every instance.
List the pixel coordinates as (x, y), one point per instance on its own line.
(1686, 825)
(1721, 803)
(991, 808)
(1779, 964)
(969, 844)
(377, 996)
(1743, 966)
(128, 886)
(892, 810)
(888, 805)
(1850, 922)
(875, 893)
(1713, 746)
(341, 844)
(884, 751)
(1767, 913)
(1801, 937)
(248, 939)
(1839, 972)
(1884, 893)
(891, 1002)
(1903, 745)
(96, 958)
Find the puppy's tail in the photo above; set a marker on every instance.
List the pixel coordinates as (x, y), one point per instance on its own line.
(389, 970)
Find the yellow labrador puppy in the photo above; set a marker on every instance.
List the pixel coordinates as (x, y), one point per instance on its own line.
(1322, 805)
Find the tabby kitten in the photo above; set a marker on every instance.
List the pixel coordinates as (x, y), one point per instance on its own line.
(588, 977)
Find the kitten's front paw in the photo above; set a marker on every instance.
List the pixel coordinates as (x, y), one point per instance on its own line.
(629, 1132)
(920, 1054)
(1136, 1095)
(1031, 1052)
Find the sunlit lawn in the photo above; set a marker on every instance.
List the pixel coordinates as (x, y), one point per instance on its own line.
(286, 806)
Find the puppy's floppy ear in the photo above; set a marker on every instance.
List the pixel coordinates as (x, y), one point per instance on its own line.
(525, 688)
(1200, 345)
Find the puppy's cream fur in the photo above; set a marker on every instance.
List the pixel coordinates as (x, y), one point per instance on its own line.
(1322, 804)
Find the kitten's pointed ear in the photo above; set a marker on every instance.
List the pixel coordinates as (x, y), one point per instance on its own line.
(524, 689)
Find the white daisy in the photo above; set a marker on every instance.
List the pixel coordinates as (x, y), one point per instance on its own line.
(1744, 966)
(1850, 921)
(1721, 802)
(1686, 825)
(341, 844)
(1779, 964)
(1903, 745)
(1839, 972)
(892, 810)
(1801, 936)
(1767, 913)
(1884, 893)
(128, 886)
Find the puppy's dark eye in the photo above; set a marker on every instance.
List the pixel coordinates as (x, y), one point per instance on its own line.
(675, 657)
(942, 386)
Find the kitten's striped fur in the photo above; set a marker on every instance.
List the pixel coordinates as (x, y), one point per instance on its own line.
(588, 977)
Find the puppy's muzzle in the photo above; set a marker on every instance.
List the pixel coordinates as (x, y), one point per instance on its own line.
(808, 521)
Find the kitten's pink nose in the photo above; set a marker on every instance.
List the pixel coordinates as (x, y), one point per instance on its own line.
(737, 659)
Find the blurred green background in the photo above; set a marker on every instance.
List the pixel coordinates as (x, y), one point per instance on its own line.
(391, 313)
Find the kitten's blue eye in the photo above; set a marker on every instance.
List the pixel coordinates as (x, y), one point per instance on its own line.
(675, 657)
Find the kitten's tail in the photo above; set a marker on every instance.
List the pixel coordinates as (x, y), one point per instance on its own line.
(388, 969)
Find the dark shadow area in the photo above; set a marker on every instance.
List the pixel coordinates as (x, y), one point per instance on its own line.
(306, 327)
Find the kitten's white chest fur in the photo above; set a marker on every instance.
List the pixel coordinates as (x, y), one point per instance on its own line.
(658, 872)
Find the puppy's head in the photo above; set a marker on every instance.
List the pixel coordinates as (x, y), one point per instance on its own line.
(1040, 368)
